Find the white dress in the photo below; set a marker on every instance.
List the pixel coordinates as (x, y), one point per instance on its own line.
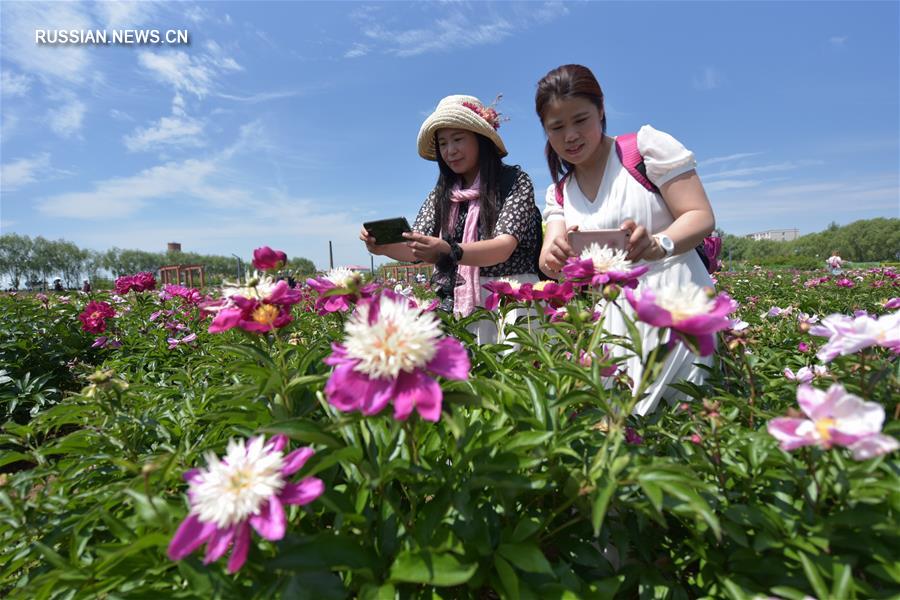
(622, 197)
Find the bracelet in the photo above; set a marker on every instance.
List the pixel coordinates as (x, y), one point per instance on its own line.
(449, 261)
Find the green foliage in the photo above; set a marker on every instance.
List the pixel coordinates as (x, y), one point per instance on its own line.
(870, 240)
(526, 488)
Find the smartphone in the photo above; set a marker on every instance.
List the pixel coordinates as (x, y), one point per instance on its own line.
(388, 231)
(613, 238)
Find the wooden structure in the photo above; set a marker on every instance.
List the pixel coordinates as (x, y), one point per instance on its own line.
(182, 275)
(405, 271)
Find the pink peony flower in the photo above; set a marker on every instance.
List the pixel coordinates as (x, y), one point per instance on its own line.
(712, 247)
(803, 347)
(186, 340)
(392, 351)
(835, 418)
(600, 265)
(892, 303)
(266, 259)
(803, 375)
(847, 335)
(688, 310)
(844, 282)
(93, 317)
(339, 289)
(553, 293)
(189, 295)
(139, 282)
(503, 288)
(248, 488)
(632, 437)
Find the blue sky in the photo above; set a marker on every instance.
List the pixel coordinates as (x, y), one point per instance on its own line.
(288, 124)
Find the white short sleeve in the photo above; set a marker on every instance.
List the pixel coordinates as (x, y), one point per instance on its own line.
(664, 156)
(552, 210)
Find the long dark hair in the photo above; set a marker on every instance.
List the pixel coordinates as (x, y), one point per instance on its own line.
(567, 81)
(490, 167)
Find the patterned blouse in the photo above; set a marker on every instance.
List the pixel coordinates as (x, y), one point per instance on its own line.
(517, 215)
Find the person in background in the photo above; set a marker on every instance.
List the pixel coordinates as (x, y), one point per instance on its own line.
(835, 263)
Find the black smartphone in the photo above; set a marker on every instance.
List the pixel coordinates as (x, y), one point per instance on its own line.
(388, 231)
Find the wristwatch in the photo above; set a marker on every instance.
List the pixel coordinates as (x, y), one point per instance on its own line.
(666, 243)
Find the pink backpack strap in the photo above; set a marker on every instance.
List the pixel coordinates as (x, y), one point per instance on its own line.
(560, 199)
(631, 159)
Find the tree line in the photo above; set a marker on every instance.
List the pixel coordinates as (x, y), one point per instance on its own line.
(32, 263)
(870, 240)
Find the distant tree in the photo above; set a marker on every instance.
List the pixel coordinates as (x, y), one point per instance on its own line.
(15, 254)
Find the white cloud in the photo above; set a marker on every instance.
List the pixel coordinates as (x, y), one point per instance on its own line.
(356, 51)
(259, 97)
(14, 85)
(21, 172)
(776, 167)
(729, 158)
(120, 115)
(118, 15)
(731, 184)
(168, 131)
(457, 25)
(66, 120)
(838, 40)
(51, 63)
(189, 73)
(709, 79)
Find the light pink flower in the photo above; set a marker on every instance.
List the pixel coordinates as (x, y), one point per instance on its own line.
(847, 335)
(688, 310)
(835, 418)
(803, 375)
(391, 352)
(892, 303)
(248, 488)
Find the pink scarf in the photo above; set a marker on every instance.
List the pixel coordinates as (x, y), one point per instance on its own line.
(468, 295)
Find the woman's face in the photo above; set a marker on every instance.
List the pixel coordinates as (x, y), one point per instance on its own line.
(574, 129)
(459, 149)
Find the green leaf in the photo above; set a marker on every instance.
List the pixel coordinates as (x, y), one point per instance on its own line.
(526, 557)
(527, 439)
(605, 488)
(843, 582)
(431, 568)
(813, 576)
(508, 577)
(303, 430)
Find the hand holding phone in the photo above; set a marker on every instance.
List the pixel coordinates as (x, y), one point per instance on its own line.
(616, 239)
(388, 231)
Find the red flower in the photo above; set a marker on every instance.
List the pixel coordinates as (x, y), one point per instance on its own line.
(139, 282)
(93, 318)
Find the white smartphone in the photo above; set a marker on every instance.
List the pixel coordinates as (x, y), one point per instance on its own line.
(612, 238)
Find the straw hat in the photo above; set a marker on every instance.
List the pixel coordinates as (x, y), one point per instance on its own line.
(460, 112)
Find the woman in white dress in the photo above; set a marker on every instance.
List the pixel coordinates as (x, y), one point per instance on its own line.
(598, 192)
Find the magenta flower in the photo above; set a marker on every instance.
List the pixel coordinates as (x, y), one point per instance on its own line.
(248, 488)
(266, 259)
(139, 282)
(835, 418)
(93, 317)
(502, 288)
(600, 265)
(339, 289)
(712, 247)
(553, 293)
(266, 307)
(803, 347)
(392, 351)
(688, 310)
(848, 335)
(844, 282)
(632, 437)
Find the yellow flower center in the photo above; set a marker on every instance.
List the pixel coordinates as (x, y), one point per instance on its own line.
(265, 314)
(539, 286)
(823, 427)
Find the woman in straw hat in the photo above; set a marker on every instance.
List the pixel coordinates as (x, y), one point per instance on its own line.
(480, 222)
